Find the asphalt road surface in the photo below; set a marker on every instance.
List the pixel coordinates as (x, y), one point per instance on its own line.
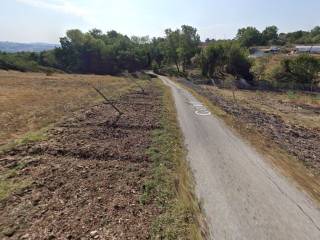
(243, 197)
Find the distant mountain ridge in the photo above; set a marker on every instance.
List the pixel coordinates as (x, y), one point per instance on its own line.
(13, 47)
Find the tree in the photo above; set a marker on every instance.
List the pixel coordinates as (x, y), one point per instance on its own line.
(249, 36)
(172, 45)
(225, 56)
(96, 52)
(181, 46)
(157, 52)
(213, 59)
(238, 63)
(270, 35)
(188, 45)
(96, 33)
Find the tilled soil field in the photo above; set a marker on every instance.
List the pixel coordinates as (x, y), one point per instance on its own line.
(86, 179)
(297, 140)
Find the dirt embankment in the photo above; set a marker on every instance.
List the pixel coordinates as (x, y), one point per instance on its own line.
(86, 179)
(297, 140)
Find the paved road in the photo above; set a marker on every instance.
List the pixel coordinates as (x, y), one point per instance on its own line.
(243, 197)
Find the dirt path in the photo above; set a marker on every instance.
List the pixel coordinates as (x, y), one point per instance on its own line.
(85, 181)
(243, 197)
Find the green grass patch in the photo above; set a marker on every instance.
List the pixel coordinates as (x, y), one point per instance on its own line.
(33, 137)
(9, 181)
(29, 137)
(292, 95)
(171, 185)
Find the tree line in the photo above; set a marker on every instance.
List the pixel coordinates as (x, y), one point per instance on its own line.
(112, 53)
(251, 36)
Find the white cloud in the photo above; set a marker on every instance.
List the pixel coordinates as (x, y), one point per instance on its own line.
(62, 6)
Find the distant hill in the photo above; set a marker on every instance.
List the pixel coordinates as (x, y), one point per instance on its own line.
(25, 47)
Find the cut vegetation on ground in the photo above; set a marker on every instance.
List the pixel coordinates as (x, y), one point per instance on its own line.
(96, 178)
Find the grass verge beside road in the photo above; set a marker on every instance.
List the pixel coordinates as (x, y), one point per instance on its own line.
(171, 184)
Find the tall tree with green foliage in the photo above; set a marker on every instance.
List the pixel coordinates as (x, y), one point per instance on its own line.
(270, 35)
(181, 46)
(172, 45)
(188, 45)
(157, 52)
(213, 60)
(249, 36)
(225, 57)
(238, 63)
(96, 52)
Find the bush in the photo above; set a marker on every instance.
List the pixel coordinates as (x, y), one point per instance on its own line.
(305, 69)
(300, 72)
(19, 61)
(225, 57)
(258, 69)
(238, 63)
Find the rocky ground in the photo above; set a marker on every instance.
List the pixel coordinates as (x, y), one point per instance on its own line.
(297, 139)
(85, 180)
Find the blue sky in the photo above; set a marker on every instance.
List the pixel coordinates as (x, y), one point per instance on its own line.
(47, 20)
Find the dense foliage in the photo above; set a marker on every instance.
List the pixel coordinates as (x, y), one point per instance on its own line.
(95, 52)
(251, 36)
(110, 53)
(27, 62)
(225, 57)
(302, 71)
(180, 46)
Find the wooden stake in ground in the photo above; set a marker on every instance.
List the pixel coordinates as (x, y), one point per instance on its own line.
(138, 85)
(234, 88)
(107, 100)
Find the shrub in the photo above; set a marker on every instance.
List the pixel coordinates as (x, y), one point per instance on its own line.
(304, 69)
(225, 56)
(298, 72)
(238, 63)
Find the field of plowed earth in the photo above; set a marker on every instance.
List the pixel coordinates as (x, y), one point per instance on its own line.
(282, 124)
(90, 174)
(85, 180)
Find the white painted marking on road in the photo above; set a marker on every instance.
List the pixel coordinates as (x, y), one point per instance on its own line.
(200, 110)
(204, 113)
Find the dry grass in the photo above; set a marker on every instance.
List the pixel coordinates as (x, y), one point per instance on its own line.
(31, 101)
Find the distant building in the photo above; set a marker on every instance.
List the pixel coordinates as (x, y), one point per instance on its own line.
(307, 49)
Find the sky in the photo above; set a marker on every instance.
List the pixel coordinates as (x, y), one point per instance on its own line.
(48, 20)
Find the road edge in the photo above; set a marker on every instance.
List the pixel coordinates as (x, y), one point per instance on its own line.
(172, 183)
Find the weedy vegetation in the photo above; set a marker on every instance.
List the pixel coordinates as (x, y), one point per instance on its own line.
(171, 183)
